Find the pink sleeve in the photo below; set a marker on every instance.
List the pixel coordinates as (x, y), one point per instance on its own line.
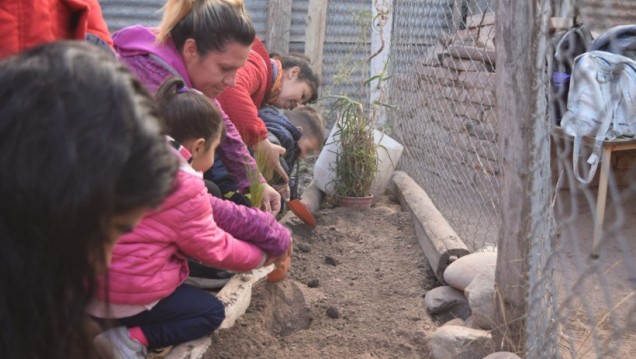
(203, 240)
(251, 225)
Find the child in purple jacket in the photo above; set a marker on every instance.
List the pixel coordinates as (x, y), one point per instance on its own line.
(145, 288)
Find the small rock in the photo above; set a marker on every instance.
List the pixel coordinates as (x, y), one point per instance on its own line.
(502, 355)
(453, 341)
(313, 283)
(331, 261)
(442, 298)
(303, 247)
(332, 228)
(332, 312)
(455, 321)
(481, 299)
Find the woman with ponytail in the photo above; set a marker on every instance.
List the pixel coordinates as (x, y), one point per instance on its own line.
(204, 43)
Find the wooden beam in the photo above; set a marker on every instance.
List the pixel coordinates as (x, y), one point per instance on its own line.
(278, 25)
(525, 184)
(315, 33)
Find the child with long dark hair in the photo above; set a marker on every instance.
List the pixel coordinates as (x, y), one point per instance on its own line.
(148, 297)
(81, 159)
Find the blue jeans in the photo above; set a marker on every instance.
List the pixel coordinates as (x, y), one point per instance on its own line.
(187, 314)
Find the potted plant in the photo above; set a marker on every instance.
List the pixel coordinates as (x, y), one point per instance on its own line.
(356, 160)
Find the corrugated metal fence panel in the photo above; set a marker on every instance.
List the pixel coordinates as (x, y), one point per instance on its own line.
(347, 46)
(257, 9)
(298, 25)
(122, 13)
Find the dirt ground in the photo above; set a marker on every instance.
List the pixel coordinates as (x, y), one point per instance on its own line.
(355, 290)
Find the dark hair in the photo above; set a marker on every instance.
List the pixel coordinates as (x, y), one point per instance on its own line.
(310, 120)
(306, 72)
(80, 143)
(188, 114)
(211, 23)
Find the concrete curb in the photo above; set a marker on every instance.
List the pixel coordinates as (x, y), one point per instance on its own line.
(237, 293)
(439, 242)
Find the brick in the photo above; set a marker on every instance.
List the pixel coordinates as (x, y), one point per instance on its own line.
(478, 80)
(480, 20)
(458, 64)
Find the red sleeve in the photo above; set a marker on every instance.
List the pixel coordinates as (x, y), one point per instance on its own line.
(241, 102)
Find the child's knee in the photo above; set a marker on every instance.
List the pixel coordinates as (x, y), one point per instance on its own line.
(215, 314)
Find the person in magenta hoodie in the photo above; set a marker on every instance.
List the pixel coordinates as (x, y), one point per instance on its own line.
(204, 43)
(145, 290)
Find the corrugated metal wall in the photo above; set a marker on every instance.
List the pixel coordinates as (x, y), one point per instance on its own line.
(122, 13)
(419, 22)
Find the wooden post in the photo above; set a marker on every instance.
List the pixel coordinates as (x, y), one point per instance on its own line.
(525, 161)
(382, 11)
(278, 25)
(315, 33)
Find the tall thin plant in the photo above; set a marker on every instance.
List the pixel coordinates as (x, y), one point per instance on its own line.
(356, 161)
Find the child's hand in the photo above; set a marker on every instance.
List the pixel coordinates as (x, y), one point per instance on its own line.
(277, 261)
(284, 191)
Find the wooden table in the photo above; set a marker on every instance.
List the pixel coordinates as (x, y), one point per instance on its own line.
(620, 144)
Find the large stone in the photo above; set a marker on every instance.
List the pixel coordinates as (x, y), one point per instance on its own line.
(461, 272)
(442, 298)
(481, 298)
(446, 303)
(502, 355)
(452, 341)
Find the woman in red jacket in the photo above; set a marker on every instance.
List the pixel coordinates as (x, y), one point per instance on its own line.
(283, 81)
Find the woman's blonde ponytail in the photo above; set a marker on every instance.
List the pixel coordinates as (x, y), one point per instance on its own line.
(173, 12)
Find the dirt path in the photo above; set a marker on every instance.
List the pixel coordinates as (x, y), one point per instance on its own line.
(356, 290)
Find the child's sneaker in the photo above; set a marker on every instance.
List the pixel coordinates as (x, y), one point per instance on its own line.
(115, 343)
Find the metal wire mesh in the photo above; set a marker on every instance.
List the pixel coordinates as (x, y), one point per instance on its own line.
(443, 75)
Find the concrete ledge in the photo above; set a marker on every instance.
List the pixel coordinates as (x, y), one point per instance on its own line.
(237, 293)
(440, 243)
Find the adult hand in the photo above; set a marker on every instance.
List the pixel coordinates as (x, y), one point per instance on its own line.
(271, 200)
(267, 155)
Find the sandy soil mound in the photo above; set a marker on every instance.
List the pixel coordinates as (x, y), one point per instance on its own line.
(355, 290)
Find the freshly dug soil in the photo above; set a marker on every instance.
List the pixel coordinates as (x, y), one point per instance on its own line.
(355, 290)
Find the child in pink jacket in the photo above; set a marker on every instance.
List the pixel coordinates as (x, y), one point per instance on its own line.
(146, 291)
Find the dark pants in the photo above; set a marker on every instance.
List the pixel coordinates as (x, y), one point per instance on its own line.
(187, 314)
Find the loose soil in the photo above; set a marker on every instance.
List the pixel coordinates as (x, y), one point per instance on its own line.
(355, 290)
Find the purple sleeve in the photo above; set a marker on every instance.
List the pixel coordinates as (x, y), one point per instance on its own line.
(150, 73)
(251, 225)
(234, 153)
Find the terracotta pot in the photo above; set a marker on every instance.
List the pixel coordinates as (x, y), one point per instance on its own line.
(355, 202)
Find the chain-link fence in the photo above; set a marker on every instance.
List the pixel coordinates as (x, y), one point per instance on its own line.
(442, 92)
